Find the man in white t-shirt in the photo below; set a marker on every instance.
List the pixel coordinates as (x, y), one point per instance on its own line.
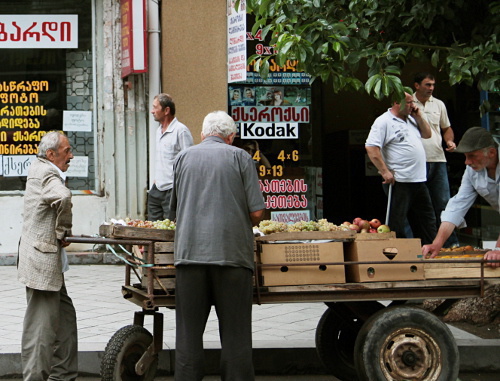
(437, 172)
(394, 146)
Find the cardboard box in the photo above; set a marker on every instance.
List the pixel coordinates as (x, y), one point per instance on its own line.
(386, 250)
(312, 254)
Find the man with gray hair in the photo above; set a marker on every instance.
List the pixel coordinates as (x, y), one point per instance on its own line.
(171, 137)
(481, 177)
(49, 341)
(217, 200)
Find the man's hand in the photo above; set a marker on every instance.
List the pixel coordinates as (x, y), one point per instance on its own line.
(430, 251)
(492, 255)
(450, 146)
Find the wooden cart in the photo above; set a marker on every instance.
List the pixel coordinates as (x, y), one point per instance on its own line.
(357, 338)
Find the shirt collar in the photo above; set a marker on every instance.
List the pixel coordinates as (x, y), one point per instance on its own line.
(61, 173)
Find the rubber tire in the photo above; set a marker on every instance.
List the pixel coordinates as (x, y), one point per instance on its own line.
(123, 351)
(335, 344)
(409, 329)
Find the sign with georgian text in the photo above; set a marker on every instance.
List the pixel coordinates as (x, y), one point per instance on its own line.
(38, 31)
(134, 37)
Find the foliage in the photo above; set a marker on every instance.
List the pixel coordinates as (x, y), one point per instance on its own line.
(359, 44)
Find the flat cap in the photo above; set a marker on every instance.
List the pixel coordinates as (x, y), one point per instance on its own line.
(475, 138)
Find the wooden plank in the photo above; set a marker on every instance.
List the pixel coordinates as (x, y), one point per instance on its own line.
(164, 247)
(130, 232)
(164, 259)
(374, 236)
(302, 236)
(459, 272)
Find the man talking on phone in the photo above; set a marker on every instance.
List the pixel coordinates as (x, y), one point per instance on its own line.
(395, 147)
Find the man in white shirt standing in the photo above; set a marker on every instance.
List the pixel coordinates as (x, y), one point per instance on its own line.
(171, 137)
(437, 173)
(481, 177)
(394, 145)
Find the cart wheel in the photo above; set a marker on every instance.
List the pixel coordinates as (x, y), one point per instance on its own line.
(335, 339)
(406, 343)
(123, 351)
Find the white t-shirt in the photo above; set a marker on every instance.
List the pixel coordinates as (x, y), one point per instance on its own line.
(401, 146)
(437, 116)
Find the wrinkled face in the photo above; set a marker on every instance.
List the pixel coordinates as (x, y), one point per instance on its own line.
(62, 156)
(425, 88)
(479, 160)
(158, 112)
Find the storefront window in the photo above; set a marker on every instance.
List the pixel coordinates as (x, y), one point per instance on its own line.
(275, 126)
(46, 83)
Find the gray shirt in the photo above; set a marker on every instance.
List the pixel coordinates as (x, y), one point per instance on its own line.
(168, 144)
(215, 189)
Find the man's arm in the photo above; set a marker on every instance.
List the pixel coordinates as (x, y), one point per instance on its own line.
(445, 230)
(376, 158)
(449, 139)
(256, 216)
(423, 125)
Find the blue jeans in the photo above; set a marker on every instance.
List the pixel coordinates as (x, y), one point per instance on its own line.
(439, 190)
(411, 202)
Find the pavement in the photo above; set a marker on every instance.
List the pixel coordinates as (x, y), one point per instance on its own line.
(283, 334)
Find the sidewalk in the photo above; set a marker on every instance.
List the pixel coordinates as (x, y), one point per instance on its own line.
(283, 334)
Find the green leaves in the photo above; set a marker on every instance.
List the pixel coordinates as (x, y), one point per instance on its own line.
(333, 39)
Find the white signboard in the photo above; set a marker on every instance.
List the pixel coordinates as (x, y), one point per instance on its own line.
(38, 31)
(269, 130)
(236, 42)
(77, 121)
(16, 165)
(291, 216)
(78, 167)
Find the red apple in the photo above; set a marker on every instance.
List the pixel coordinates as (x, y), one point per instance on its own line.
(364, 224)
(356, 220)
(375, 223)
(354, 227)
(372, 230)
(383, 229)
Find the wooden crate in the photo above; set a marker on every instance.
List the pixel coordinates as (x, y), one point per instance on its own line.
(130, 232)
(458, 267)
(164, 271)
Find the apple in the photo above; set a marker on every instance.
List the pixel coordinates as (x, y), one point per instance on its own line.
(354, 227)
(364, 231)
(356, 220)
(372, 230)
(364, 224)
(346, 223)
(375, 223)
(383, 229)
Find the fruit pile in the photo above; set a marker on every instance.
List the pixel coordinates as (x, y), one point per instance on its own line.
(160, 224)
(457, 252)
(361, 225)
(269, 227)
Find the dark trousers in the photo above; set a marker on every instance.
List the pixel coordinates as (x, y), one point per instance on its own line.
(158, 204)
(411, 202)
(230, 290)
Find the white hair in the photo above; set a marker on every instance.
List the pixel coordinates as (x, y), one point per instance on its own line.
(218, 123)
(51, 140)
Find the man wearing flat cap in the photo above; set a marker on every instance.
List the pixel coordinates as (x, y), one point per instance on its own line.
(481, 177)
